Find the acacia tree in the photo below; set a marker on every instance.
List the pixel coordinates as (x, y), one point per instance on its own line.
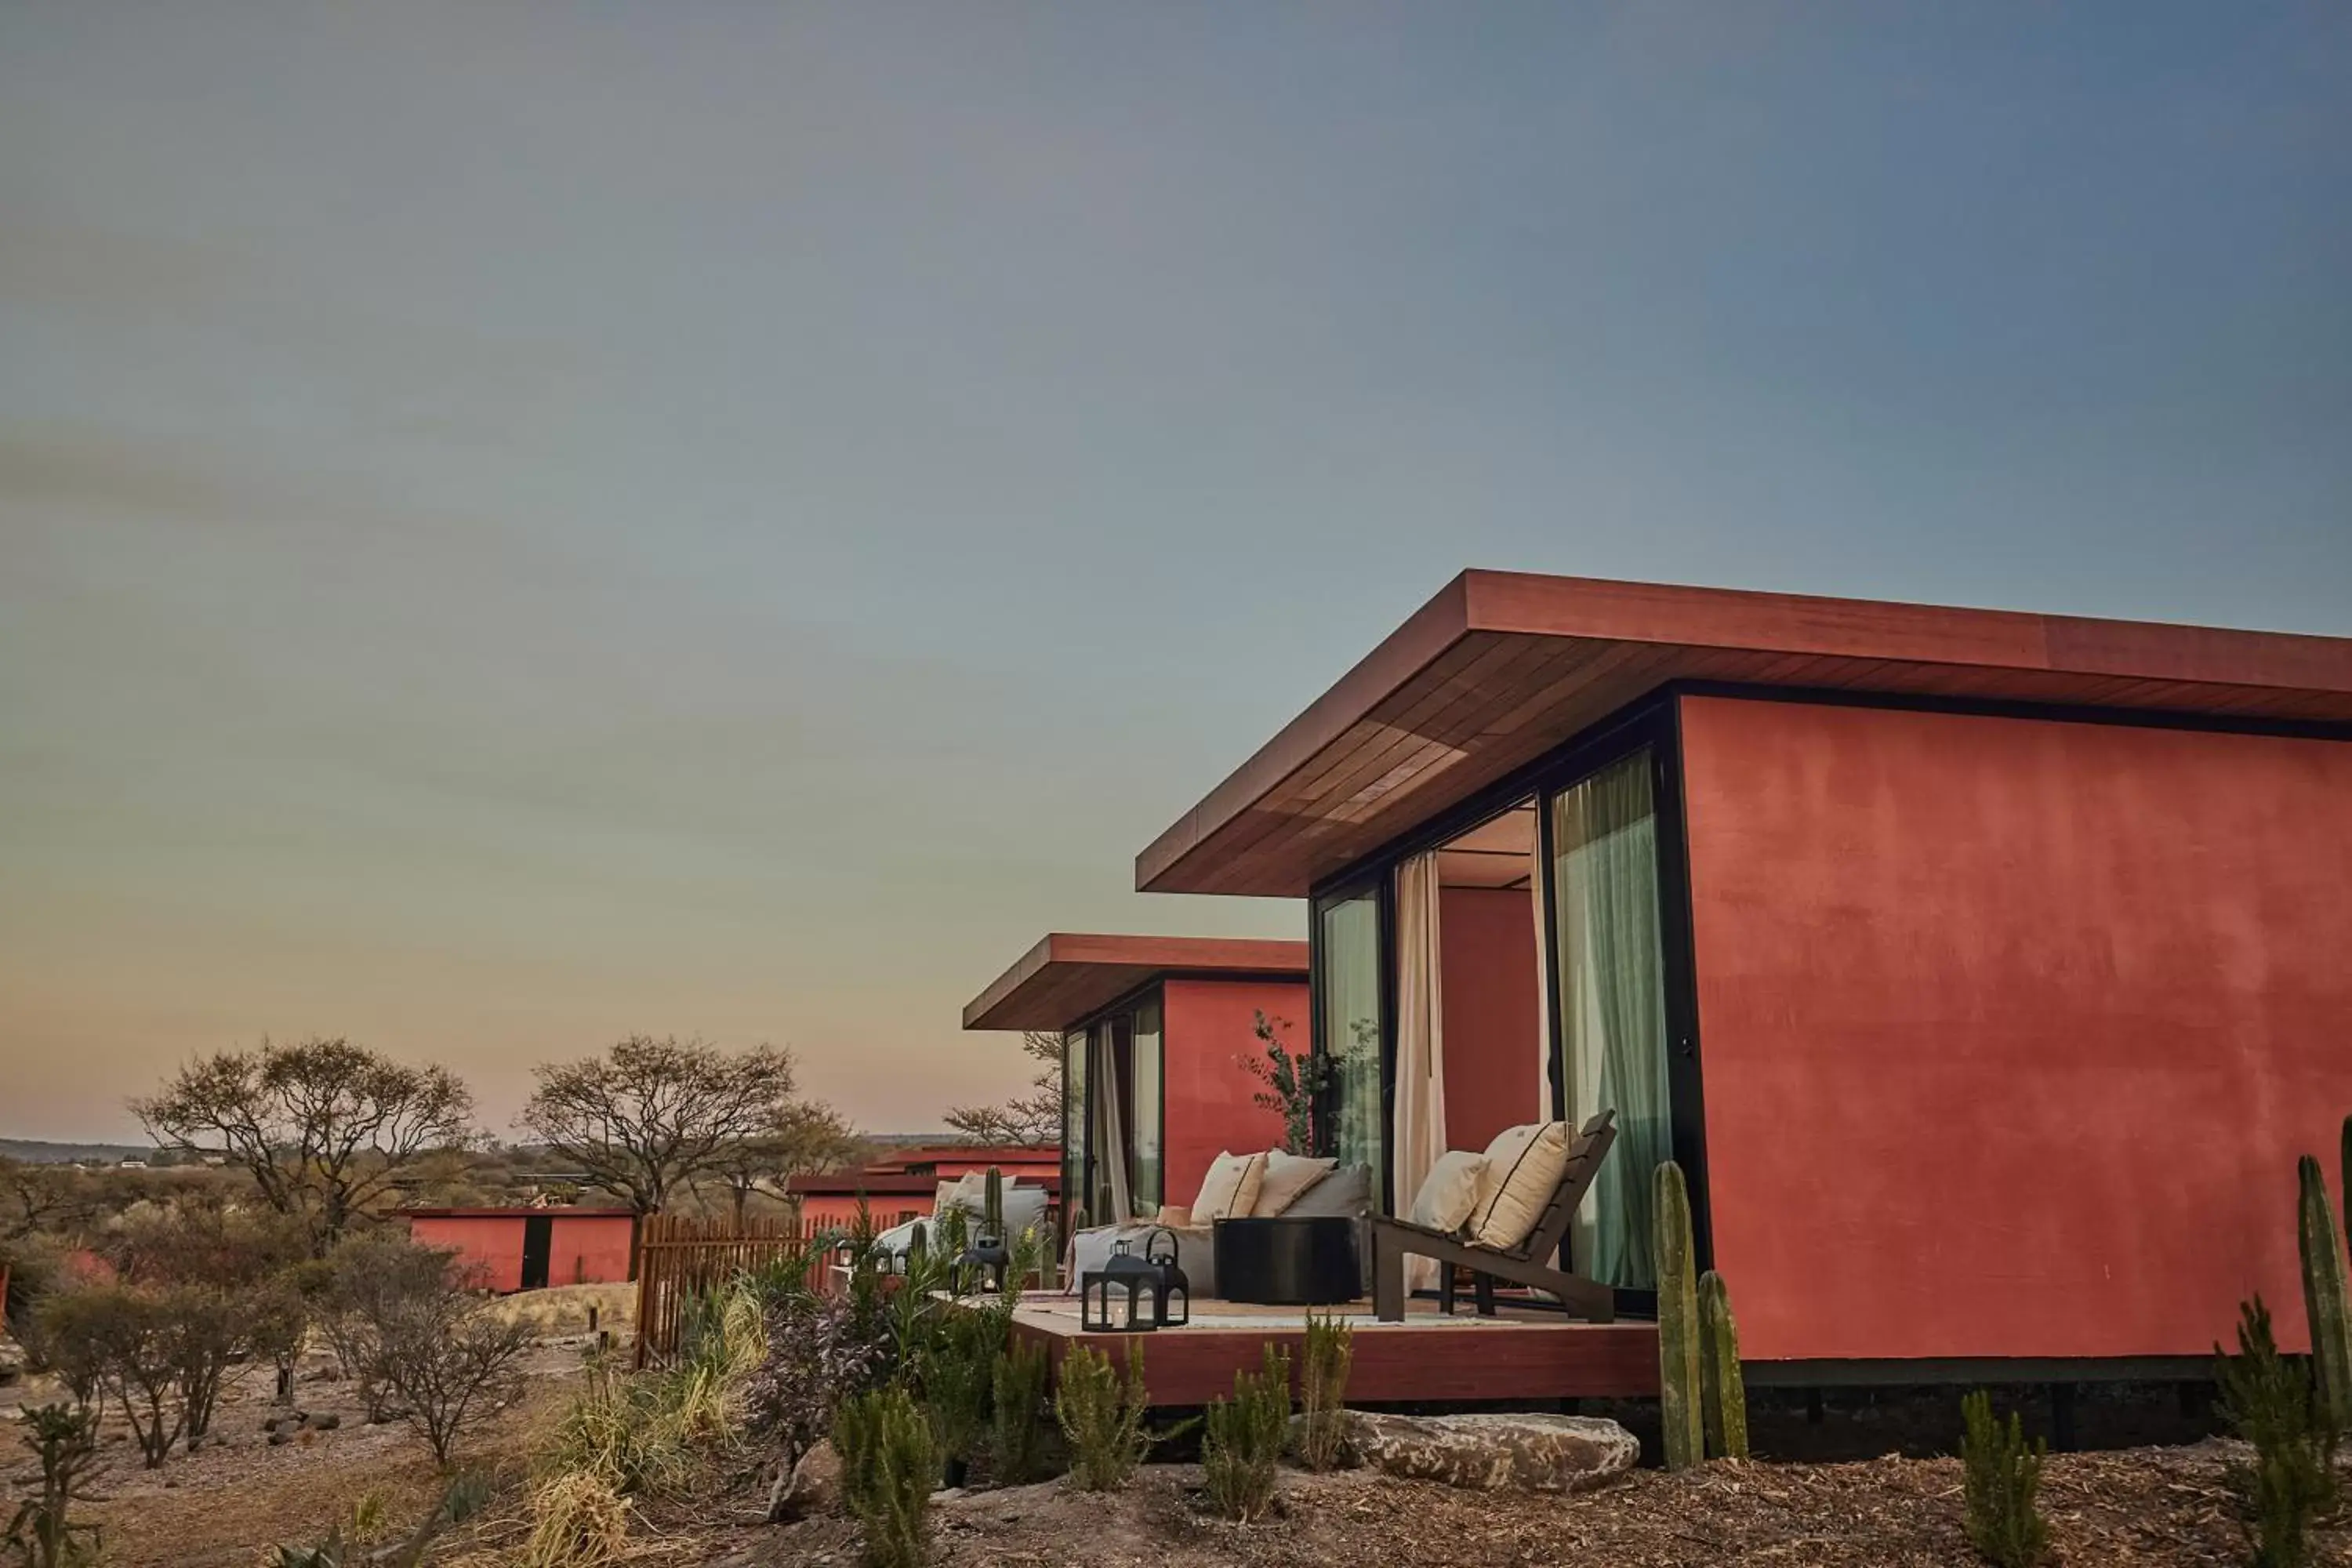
(323, 1127)
(810, 1137)
(649, 1115)
(1031, 1118)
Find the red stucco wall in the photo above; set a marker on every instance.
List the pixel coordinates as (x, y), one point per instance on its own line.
(2013, 1030)
(589, 1248)
(1486, 940)
(1208, 1024)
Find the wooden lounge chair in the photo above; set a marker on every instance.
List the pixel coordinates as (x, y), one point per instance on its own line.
(1529, 1264)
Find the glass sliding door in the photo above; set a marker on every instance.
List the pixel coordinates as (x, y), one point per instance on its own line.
(1612, 1006)
(1349, 1029)
(1147, 1100)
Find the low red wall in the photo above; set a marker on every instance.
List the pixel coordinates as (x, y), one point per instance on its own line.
(592, 1249)
(1486, 944)
(2013, 1030)
(1208, 1024)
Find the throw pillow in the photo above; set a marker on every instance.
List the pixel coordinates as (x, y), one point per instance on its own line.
(1287, 1178)
(1523, 1169)
(1449, 1192)
(1230, 1187)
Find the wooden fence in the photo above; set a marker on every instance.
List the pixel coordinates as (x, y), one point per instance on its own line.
(677, 1256)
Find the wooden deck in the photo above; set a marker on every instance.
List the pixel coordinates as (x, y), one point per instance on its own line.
(1518, 1355)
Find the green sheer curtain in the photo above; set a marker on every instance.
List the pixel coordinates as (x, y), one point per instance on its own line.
(1613, 1006)
(1347, 1004)
(1144, 1172)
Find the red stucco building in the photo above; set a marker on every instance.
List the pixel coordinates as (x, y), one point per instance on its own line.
(1155, 1031)
(530, 1248)
(902, 1185)
(1986, 971)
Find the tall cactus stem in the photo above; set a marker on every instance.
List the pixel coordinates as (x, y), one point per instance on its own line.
(1725, 1385)
(1681, 1395)
(992, 1206)
(2324, 1298)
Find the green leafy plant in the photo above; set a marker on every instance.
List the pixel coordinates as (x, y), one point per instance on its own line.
(1241, 1441)
(2271, 1402)
(2323, 1299)
(42, 1534)
(1288, 1084)
(2001, 1484)
(956, 1372)
(1101, 1417)
(1323, 1426)
(1017, 1416)
(1682, 1398)
(890, 1463)
(1722, 1385)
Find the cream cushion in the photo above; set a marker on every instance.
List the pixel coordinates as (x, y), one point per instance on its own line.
(1230, 1188)
(1449, 1192)
(1176, 1216)
(1287, 1178)
(967, 1192)
(1523, 1169)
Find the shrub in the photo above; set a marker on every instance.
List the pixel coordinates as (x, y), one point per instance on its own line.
(956, 1372)
(820, 1349)
(889, 1464)
(211, 1332)
(126, 1342)
(450, 1358)
(1323, 1392)
(617, 1429)
(578, 1519)
(2270, 1401)
(1241, 1444)
(1017, 1414)
(65, 1438)
(373, 1277)
(1101, 1416)
(2003, 1478)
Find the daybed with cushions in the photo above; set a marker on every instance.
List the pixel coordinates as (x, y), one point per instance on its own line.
(1025, 1210)
(1257, 1186)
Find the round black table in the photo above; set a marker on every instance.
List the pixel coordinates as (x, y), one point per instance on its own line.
(1308, 1261)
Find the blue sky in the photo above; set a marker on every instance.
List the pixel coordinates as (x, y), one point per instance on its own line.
(522, 524)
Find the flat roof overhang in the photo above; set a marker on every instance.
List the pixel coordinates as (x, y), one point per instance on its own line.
(1502, 667)
(1067, 977)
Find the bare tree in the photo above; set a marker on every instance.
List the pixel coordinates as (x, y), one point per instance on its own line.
(324, 1127)
(448, 1355)
(651, 1115)
(1031, 1118)
(811, 1137)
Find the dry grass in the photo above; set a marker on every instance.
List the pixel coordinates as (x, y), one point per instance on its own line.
(578, 1519)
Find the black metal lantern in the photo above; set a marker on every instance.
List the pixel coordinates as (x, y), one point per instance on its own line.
(1172, 1293)
(1118, 1298)
(982, 1267)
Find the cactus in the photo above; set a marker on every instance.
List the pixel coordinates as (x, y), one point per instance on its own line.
(2324, 1293)
(1724, 1386)
(991, 1206)
(2348, 1176)
(1681, 1397)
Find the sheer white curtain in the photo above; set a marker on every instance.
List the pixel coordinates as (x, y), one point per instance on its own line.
(1545, 1110)
(1419, 1136)
(1110, 1150)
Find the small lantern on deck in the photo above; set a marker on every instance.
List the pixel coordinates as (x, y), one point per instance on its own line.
(1119, 1297)
(982, 1267)
(1172, 1293)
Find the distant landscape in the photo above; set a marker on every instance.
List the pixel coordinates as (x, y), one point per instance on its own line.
(39, 1152)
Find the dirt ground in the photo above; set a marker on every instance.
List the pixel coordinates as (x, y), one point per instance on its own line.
(1813, 1501)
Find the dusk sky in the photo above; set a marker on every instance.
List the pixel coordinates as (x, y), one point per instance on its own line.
(520, 525)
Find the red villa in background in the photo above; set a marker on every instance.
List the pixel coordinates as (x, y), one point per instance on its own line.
(1155, 1031)
(1985, 971)
(902, 1185)
(529, 1249)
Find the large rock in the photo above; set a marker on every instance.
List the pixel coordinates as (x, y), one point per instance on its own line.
(814, 1487)
(1487, 1453)
(13, 1360)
